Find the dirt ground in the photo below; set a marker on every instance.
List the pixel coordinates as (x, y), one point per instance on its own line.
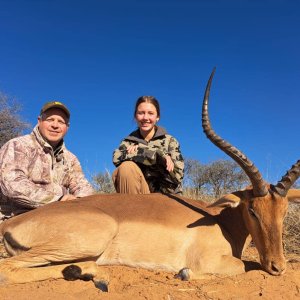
(129, 283)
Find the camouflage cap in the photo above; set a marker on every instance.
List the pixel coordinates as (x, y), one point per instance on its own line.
(55, 104)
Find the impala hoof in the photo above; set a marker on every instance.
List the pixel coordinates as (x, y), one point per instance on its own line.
(71, 272)
(74, 272)
(183, 274)
(101, 285)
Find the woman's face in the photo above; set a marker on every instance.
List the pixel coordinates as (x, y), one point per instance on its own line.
(146, 116)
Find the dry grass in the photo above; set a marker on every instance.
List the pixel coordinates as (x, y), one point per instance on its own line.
(194, 194)
(291, 230)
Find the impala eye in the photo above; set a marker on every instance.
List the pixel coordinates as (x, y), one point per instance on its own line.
(252, 212)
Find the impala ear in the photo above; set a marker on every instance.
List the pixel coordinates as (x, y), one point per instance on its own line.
(229, 200)
(293, 195)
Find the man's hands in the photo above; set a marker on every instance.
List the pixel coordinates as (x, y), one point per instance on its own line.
(68, 197)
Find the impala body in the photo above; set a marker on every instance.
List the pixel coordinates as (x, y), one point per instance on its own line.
(72, 239)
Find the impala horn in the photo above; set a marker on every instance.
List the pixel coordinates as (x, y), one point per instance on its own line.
(287, 180)
(259, 186)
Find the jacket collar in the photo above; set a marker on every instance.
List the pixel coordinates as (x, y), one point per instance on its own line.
(136, 136)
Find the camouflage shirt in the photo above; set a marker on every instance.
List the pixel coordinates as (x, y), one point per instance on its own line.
(149, 158)
(32, 174)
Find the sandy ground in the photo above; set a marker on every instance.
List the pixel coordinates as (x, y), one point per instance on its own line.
(129, 283)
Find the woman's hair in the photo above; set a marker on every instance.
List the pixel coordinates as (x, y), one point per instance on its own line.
(147, 99)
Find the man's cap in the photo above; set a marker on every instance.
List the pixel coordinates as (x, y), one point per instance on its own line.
(55, 104)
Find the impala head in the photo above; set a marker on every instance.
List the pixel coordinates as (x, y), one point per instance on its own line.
(263, 206)
(263, 218)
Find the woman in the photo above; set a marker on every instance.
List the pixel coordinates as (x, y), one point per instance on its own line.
(148, 160)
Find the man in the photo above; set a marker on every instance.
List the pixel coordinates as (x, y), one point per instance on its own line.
(37, 169)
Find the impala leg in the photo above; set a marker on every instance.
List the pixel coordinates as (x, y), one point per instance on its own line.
(225, 265)
(187, 274)
(20, 269)
(230, 265)
(87, 271)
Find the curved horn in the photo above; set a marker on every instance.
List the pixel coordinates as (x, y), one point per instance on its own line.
(258, 184)
(287, 180)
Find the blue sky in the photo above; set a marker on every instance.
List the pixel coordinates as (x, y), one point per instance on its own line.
(98, 57)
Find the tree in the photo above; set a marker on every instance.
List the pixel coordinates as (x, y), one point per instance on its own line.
(217, 178)
(225, 176)
(195, 176)
(103, 182)
(11, 124)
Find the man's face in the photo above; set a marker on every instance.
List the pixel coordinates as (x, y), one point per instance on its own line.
(53, 125)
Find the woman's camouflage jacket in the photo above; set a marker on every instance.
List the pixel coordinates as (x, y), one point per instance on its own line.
(150, 158)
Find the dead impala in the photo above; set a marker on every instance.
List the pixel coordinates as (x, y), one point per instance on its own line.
(72, 239)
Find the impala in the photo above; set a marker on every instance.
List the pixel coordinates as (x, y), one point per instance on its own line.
(73, 239)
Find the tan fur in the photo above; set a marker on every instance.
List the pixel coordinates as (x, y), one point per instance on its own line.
(152, 231)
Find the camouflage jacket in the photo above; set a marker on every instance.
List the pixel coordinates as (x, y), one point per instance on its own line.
(32, 174)
(150, 159)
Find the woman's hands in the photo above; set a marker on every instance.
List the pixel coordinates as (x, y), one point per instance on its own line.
(169, 163)
(132, 149)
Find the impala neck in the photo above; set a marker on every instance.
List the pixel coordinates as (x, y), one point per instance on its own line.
(234, 229)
